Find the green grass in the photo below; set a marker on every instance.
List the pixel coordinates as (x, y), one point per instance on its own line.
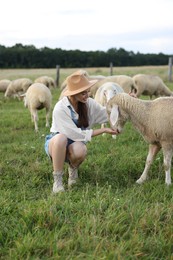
(106, 216)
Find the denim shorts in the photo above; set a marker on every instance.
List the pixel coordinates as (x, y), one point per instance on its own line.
(47, 140)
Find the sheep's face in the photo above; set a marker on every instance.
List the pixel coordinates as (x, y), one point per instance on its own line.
(9, 92)
(6, 94)
(117, 117)
(109, 93)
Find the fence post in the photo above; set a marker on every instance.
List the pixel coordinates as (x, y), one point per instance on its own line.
(57, 74)
(111, 68)
(170, 69)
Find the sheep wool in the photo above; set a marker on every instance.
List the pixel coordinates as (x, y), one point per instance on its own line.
(153, 119)
(124, 81)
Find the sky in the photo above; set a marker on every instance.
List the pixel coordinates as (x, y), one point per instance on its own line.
(144, 26)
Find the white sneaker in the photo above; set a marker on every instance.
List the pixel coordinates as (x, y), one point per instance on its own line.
(57, 185)
(73, 176)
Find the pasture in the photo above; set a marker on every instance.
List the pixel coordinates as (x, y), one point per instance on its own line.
(106, 216)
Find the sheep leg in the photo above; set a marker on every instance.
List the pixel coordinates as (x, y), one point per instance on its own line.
(35, 119)
(167, 153)
(153, 150)
(47, 118)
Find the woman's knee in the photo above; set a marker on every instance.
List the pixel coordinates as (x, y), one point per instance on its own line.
(77, 151)
(59, 141)
(82, 151)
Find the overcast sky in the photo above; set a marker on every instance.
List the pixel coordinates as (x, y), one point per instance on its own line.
(144, 26)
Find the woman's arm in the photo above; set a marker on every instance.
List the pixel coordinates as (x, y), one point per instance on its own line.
(104, 130)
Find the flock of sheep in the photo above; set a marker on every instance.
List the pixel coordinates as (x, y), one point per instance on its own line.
(152, 118)
(37, 95)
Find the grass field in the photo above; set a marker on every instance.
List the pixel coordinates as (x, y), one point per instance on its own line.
(106, 216)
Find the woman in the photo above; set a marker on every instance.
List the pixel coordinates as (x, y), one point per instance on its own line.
(72, 119)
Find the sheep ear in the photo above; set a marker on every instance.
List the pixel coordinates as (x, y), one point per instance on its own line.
(22, 96)
(114, 115)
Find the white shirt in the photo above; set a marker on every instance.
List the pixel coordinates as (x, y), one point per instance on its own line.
(62, 121)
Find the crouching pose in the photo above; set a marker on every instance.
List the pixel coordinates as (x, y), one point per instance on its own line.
(72, 119)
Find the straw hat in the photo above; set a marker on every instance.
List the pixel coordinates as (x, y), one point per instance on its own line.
(77, 83)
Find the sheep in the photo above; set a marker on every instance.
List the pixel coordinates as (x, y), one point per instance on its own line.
(149, 85)
(90, 77)
(4, 84)
(124, 81)
(38, 96)
(46, 80)
(105, 93)
(153, 119)
(17, 87)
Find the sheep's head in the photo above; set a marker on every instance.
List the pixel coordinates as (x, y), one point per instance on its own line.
(9, 92)
(117, 116)
(109, 93)
(6, 93)
(110, 90)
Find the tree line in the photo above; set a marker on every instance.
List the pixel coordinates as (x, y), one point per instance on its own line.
(28, 56)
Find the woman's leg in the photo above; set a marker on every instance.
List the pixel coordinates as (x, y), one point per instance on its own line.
(76, 154)
(57, 151)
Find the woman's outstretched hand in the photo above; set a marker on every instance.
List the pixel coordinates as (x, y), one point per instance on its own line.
(110, 131)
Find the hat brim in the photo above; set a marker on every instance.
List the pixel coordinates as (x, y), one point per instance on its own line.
(71, 93)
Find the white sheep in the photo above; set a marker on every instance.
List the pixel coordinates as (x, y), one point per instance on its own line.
(126, 82)
(153, 119)
(149, 85)
(17, 87)
(105, 92)
(37, 97)
(4, 84)
(46, 80)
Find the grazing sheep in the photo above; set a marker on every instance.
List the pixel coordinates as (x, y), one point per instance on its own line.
(4, 84)
(37, 97)
(153, 119)
(48, 81)
(124, 81)
(105, 92)
(17, 87)
(90, 77)
(149, 85)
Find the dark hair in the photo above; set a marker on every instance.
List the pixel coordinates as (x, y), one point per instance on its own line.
(83, 115)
